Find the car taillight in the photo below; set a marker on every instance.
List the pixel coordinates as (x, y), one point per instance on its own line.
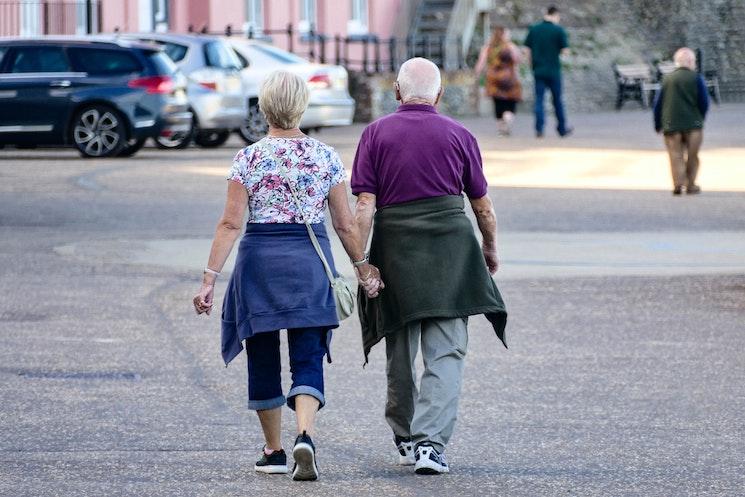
(161, 85)
(210, 85)
(319, 81)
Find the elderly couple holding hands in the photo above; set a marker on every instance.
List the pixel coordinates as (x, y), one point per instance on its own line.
(409, 175)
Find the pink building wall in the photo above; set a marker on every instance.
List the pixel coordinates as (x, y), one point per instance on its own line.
(332, 15)
(38, 17)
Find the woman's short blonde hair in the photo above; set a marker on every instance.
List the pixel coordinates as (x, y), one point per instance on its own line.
(283, 98)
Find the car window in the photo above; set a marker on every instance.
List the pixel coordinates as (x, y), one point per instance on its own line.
(279, 55)
(163, 64)
(2, 54)
(219, 55)
(175, 51)
(38, 59)
(104, 61)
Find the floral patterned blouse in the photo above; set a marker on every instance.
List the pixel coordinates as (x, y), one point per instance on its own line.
(313, 167)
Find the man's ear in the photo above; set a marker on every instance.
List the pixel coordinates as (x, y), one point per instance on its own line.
(439, 95)
(398, 91)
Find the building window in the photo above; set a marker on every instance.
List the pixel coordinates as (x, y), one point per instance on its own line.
(254, 16)
(357, 25)
(84, 9)
(160, 16)
(30, 18)
(307, 16)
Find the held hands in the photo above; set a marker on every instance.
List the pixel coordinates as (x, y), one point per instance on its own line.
(203, 300)
(368, 276)
(491, 258)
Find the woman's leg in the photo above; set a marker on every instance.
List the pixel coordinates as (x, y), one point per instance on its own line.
(271, 425)
(265, 385)
(307, 348)
(306, 407)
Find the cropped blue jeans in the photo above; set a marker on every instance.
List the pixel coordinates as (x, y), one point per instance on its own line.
(307, 347)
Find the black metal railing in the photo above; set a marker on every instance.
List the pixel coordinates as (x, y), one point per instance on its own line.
(41, 17)
(366, 53)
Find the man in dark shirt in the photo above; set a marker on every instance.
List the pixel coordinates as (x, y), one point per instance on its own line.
(679, 112)
(546, 41)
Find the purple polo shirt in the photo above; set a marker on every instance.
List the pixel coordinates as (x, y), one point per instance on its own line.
(416, 153)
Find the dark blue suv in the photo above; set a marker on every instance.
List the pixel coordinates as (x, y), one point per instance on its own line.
(103, 97)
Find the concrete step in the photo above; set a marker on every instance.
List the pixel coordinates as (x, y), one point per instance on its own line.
(433, 26)
(438, 4)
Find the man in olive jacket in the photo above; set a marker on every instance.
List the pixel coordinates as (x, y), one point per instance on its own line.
(679, 112)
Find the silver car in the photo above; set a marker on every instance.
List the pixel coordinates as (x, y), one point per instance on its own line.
(215, 87)
(330, 103)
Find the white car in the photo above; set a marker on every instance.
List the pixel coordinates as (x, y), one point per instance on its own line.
(215, 86)
(330, 103)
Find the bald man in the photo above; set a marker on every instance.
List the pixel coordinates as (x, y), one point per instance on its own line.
(413, 166)
(679, 113)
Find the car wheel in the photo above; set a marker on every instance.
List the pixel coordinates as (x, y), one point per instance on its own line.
(255, 127)
(210, 139)
(98, 131)
(177, 140)
(132, 147)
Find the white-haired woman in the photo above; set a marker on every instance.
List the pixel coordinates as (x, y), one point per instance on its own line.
(279, 281)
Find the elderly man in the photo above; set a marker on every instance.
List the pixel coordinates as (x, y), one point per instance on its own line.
(679, 112)
(413, 166)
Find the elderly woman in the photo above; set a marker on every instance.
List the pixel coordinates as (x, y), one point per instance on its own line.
(279, 281)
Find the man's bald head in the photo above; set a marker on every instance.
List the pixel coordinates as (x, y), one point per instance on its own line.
(419, 80)
(685, 57)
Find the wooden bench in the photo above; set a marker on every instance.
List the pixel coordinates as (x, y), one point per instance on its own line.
(633, 82)
(639, 82)
(710, 78)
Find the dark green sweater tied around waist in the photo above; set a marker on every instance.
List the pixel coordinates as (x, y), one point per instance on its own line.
(432, 266)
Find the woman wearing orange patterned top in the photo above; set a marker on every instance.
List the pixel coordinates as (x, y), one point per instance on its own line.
(500, 57)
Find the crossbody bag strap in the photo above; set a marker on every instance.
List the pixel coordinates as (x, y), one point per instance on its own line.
(286, 176)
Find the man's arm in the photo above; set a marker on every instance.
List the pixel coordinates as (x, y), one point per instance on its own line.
(564, 43)
(658, 111)
(486, 219)
(703, 95)
(363, 215)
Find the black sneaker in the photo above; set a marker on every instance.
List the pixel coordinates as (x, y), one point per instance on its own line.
(304, 454)
(677, 190)
(429, 461)
(567, 132)
(272, 464)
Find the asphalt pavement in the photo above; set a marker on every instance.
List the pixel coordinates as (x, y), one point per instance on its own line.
(627, 331)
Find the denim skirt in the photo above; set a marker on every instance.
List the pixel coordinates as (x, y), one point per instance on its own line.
(278, 283)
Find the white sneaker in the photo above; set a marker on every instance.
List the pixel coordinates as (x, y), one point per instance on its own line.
(406, 453)
(429, 461)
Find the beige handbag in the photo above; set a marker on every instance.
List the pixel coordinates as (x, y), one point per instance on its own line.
(343, 294)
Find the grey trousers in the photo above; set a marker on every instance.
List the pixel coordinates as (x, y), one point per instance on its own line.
(426, 415)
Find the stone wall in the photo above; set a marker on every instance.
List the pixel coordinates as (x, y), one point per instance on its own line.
(602, 33)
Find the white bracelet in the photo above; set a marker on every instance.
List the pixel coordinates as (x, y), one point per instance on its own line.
(365, 260)
(211, 271)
